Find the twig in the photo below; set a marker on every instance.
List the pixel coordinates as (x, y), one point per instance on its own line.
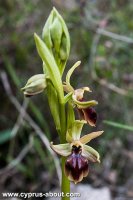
(32, 123)
(112, 87)
(19, 158)
(20, 119)
(102, 82)
(115, 36)
(17, 125)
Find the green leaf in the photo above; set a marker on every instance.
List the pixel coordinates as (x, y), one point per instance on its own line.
(118, 125)
(5, 135)
(40, 150)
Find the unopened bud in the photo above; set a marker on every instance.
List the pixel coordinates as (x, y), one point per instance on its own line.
(56, 37)
(35, 85)
(56, 31)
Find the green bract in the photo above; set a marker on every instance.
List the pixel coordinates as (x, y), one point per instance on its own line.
(51, 66)
(53, 103)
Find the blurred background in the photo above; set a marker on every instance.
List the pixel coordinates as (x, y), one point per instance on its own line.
(101, 34)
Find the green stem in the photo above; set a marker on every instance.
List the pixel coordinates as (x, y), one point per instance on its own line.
(65, 185)
(63, 123)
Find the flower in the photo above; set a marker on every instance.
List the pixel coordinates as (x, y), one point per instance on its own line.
(85, 109)
(35, 85)
(77, 152)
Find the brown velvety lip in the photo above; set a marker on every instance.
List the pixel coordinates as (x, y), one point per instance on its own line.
(76, 166)
(88, 114)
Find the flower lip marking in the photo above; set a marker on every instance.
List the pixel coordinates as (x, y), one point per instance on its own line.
(76, 143)
(76, 149)
(76, 166)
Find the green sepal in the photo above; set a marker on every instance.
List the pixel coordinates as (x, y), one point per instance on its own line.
(74, 131)
(61, 149)
(53, 104)
(88, 137)
(50, 66)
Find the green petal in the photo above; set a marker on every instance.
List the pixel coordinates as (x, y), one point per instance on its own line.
(84, 104)
(74, 131)
(61, 149)
(68, 88)
(90, 153)
(87, 138)
(69, 73)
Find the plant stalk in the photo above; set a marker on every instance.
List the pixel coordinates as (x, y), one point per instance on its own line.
(65, 183)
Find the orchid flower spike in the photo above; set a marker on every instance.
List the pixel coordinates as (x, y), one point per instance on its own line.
(85, 109)
(77, 152)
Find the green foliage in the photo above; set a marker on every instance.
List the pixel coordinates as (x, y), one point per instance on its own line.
(5, 135)
(119, 125)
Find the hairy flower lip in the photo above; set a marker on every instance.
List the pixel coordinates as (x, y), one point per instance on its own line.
(76, 167)
(89, 114)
